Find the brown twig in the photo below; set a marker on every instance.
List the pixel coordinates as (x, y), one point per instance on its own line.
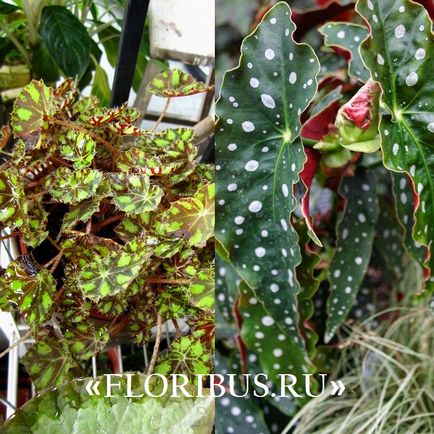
(11, 235)
(17, 342)
(55, 261)
(163, 113)
(177, 328)
(156, 346)
(53, 243)
(108, 221)
(158, 280)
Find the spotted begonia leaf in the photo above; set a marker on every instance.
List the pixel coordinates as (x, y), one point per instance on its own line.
(192, 217)
(73, 186)
(31, 109)
(389, 240)
(260, 158)
(77, 147)
(83, 340)
(349, 37)
(309, 283)
(187, 356)
(236, 414)
(269, 338)
(400, 56)
(174, 82)
(48, 362)
(404, 203)
(112, 275)
(13, 207)
(355, 236)
(135, 194)
(33, 292)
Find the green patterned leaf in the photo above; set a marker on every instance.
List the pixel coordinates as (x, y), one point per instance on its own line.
(33, 292)
(31, 109)
(77, 147)
(400, 56)
(188, 356)
(174, 82)
(135, 194)
(355, 233)
(83, 340)
(70, 409)
(112, 275)
(202, 289)
(66, 38)
(260, 157)
(48, 362)
(133, 226)
(191, 217)
(349, 37)
(34, 229)
(13, 207)
(73, 186)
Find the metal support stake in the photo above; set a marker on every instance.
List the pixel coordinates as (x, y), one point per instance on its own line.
(134, 21)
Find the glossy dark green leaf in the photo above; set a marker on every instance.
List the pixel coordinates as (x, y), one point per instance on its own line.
(348, 36)
(404, 204)
(259, 158)
(7, 8)
(355, 236)
(100, 86)
(400, 56)
(66, 39)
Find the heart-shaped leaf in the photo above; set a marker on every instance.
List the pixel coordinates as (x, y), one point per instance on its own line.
(260, 157)
(349, 37)
(174, 82)
(355, 234)
(400, 56)
(66, 38)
